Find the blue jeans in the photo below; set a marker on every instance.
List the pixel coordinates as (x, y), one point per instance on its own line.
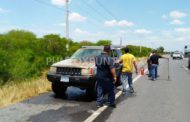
(154, 70)
(104, 86)
(124, 78)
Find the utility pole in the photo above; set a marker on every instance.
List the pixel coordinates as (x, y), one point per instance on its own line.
(120, 41)
(67, 20)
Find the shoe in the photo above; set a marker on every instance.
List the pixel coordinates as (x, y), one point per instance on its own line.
(112, 105)
(131, 89)
(124, 92)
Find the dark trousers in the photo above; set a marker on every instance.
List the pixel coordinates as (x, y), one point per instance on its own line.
(105, 86)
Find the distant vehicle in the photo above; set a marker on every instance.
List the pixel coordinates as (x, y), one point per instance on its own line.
(187, 51)
(79, 70)
(171, 54)
(177, 55)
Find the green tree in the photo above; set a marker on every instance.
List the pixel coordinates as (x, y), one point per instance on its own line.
(160, 49)
(54, 45)
(135, 50)
(4, 67)
(73, 47)
(103, 42)
(19, 39)
(86, 43)
(24, 66)
(23, 55)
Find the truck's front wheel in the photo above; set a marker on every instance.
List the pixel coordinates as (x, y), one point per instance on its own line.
(59, 89)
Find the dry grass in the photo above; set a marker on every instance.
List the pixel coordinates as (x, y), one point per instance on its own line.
(16, 92)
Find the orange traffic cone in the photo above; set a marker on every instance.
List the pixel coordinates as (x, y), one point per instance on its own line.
(142, 71)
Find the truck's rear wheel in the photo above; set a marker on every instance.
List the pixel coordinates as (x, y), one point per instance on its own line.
(59, 89)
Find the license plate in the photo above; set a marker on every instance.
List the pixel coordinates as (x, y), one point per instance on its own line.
(64, 79)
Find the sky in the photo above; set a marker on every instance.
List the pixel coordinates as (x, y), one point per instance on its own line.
(151, 23)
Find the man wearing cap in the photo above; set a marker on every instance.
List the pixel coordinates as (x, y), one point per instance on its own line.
(106, 77)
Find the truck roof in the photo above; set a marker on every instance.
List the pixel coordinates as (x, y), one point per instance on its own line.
(102, 47)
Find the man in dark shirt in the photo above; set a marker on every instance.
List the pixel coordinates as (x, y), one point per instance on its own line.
(154, 60)
(106, 77)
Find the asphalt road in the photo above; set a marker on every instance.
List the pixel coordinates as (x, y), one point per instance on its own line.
(157, 101)
(162, 100)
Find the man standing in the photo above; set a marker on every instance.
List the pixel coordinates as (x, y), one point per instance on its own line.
(106, 78)
(128, 61)
(154, 60)
(149, 65)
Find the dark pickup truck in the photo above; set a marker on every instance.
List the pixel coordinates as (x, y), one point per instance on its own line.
(79, 70)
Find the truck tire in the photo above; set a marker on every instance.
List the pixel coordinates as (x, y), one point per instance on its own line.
(59, 89)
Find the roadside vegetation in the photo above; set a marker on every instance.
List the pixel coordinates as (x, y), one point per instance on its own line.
(14, 92)
(24, 58)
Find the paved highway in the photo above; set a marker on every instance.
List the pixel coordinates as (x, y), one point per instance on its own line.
(162, 100)
(157, 101)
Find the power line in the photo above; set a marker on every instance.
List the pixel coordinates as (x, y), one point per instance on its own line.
(100, 13)
(90, 6)
(89, 14)
(47, 4)
(67, 15)
(95, 10)
(93, 21)
(109, 12)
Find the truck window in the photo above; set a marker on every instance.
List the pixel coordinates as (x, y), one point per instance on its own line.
(86, 53)
(114, 53)
(119, 53)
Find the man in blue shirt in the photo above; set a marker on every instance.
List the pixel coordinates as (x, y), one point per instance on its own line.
(106, 78)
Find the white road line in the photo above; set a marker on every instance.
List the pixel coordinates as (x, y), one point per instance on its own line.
(185, 67)
(96, 113)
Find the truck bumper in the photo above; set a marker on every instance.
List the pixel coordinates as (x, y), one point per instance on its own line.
(77, 81)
